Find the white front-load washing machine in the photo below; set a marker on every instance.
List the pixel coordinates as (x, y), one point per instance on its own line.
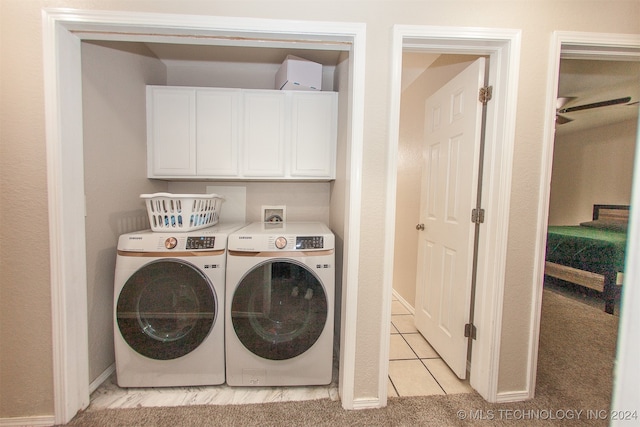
(280, 304)
(169, 307)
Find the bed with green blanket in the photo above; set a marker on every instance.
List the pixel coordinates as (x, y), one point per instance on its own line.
(591, 254)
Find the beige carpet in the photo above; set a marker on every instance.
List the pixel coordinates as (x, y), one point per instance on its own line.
(575, 373)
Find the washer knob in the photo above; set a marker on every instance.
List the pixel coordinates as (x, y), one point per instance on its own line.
(281, 243)
(170, 243)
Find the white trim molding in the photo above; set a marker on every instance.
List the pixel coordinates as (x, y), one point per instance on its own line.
(102, 378)
(627, 376)
(27, 421)
(65, 180)
(574, 45)
(366, 403)
(404, 302)
(513, 396)
(503, 48)
(353, 214)
(63, 32)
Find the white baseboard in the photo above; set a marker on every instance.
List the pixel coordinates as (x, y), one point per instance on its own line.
(513, 396)
(38, 421)
(101, 378)
(370, 403)
(404, 302)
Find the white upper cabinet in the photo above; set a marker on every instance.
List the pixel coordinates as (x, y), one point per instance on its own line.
(264, 134)
(171, 136)
(314, 124)
(241, 134)
(217, 132)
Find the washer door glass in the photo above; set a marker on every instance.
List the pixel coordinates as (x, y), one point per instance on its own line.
(279, 309)
(166, 309)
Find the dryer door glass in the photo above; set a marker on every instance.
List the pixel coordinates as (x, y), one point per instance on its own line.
(166, 309)
(279, 309)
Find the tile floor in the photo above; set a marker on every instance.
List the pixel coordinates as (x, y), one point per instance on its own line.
(415, 369)
(110, 396)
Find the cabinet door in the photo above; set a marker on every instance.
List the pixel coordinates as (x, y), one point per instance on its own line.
(313, 134)
(171, 139)
(264, 134)
(217, 132)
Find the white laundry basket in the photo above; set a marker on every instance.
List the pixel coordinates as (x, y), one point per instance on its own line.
(182, 212)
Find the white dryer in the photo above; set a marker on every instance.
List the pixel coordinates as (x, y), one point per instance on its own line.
(280, 304)
(169, 307)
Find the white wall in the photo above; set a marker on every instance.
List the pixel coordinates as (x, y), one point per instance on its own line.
(114, 76)
(594, 166)
(246, 75)
(339, 198)
(304, 201)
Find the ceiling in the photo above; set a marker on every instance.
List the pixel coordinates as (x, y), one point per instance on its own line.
(589, 81)
(240, 54)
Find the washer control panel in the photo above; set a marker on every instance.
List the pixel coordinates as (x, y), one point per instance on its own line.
(309, 242)
(201, 242)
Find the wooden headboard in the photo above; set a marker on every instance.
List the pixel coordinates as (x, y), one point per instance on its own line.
(611, 212)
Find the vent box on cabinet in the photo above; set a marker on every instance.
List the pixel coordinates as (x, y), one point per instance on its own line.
(299, 74)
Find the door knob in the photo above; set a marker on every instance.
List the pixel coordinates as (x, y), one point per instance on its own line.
(420, 227)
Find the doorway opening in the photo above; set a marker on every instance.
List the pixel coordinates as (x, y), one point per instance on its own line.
(572, 46)
(423, 77)
(502, 47)
(440, 147)
(64, 31)
(592, 172)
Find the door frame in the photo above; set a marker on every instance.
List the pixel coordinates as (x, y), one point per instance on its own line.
(503, 48)
(576, 45)
(63, 32)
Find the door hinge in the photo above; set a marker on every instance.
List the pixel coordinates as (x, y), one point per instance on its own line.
(477, 216)
(470, 331)
(485, 94)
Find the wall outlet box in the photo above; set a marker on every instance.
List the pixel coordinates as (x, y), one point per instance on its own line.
(274, 213)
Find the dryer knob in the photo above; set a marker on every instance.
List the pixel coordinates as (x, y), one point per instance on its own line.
(281, 243)
(170, 243)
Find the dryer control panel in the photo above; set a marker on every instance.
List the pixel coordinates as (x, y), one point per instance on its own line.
(309, 242)
(285, 236)
(201, 242)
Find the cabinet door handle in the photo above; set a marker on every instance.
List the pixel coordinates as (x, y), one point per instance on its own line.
(420, 227)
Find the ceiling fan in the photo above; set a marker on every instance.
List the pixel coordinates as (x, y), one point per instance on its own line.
(561, 111)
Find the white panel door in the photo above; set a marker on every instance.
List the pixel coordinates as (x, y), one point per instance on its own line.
(313, 134)
(171, 124)
(264, 134)
(218, 132)
(449, 188)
